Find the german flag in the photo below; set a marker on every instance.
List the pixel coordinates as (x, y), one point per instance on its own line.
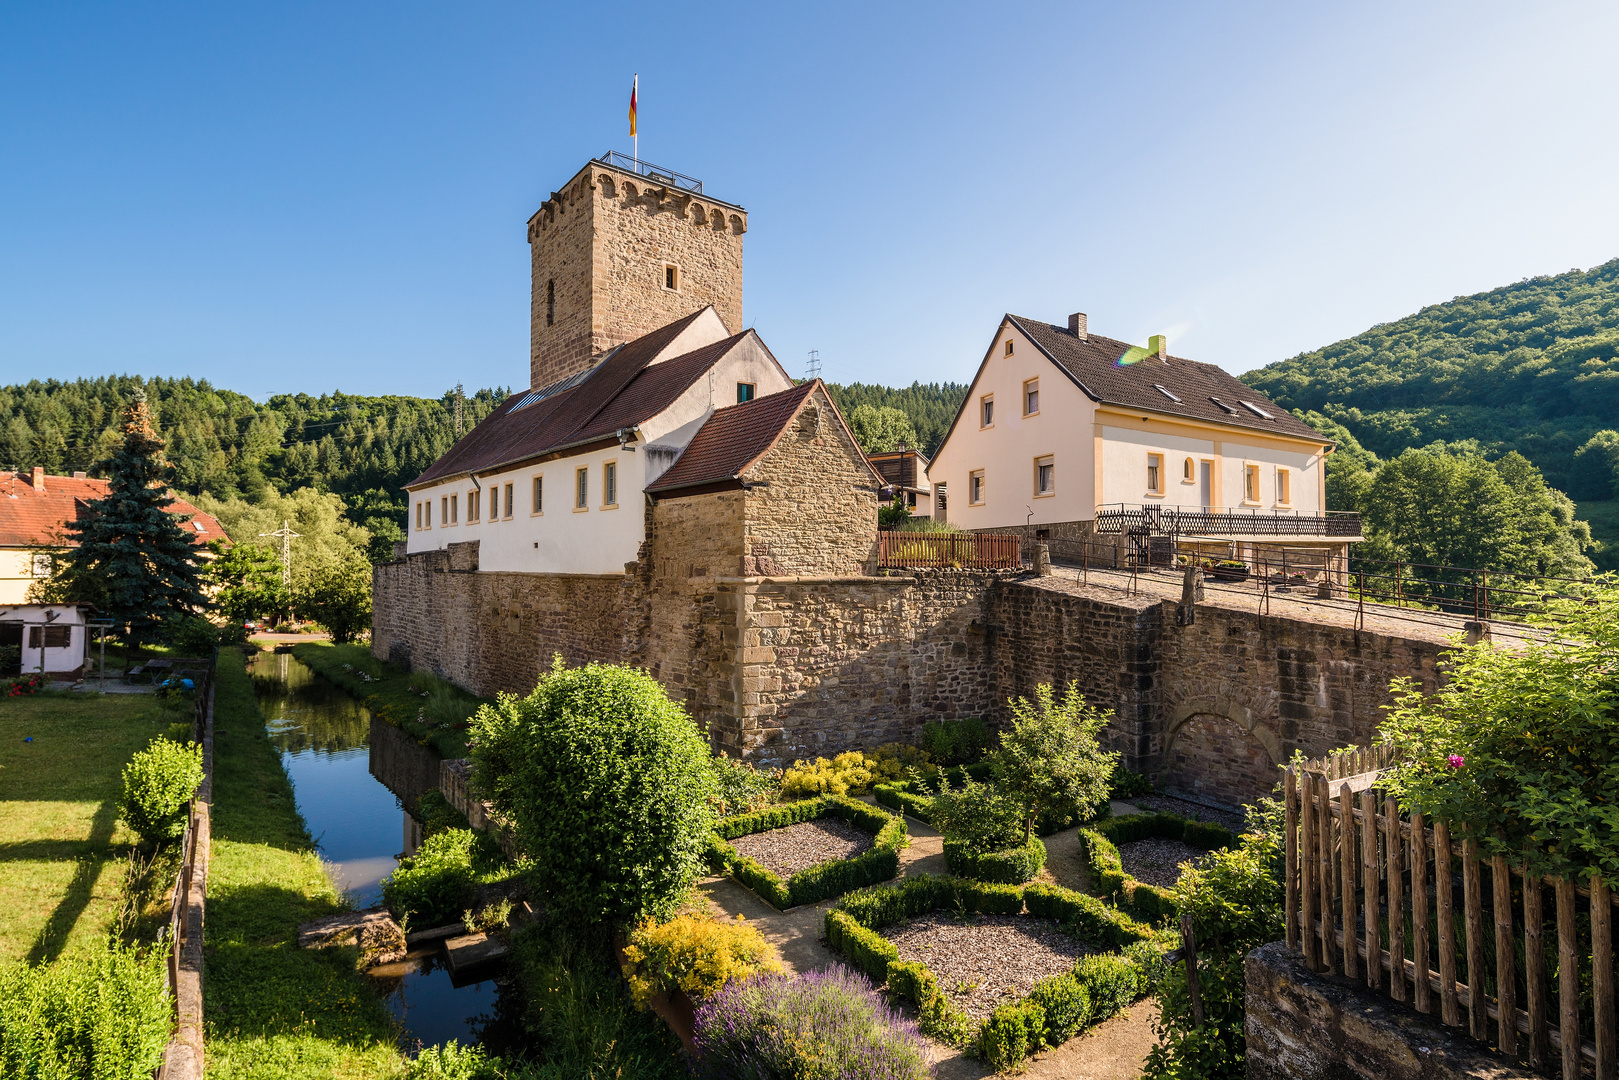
(634, 86)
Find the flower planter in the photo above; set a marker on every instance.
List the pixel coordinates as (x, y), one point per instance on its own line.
(1229, 573)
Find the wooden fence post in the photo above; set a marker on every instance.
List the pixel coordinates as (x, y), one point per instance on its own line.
(1189, 949)
(1568, 980)
(1346, 803)
(1419, 911)
(1449, 1010)
(1394, 852)
(1306, 872)
(1505, 969)
(1534, 969)
(1324, 853)
(1368, 853)
(1478, 1014)
(1290, 789)
(1602, 974)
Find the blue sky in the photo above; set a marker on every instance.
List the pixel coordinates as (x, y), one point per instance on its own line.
(307, 197)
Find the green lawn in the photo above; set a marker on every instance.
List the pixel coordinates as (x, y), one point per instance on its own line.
(274, 1011)
(63, 851)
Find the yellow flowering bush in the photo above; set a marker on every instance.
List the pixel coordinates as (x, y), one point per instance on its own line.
(851, 772)
(695, 953)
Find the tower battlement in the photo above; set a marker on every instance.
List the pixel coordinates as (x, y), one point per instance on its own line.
(616, 253)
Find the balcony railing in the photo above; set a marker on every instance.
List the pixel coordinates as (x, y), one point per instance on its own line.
(652, 172)
(1177, 521)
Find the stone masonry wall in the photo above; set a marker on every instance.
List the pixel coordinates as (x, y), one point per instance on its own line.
(603, 241)
(814, 509)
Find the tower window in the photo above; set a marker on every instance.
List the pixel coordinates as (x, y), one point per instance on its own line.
(744, 392)
(551, 302)
(671, 276)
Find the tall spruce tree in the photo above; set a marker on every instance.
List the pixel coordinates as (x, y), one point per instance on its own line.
(129, 544)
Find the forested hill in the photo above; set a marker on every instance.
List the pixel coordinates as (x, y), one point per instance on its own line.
(225, 444)
(931, 406)
(1532, 367)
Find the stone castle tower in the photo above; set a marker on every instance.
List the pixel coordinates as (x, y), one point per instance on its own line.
(621, 251)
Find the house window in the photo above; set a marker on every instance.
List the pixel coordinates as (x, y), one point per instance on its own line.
(975, 488)
(42, 564)
(744, 392)
(1250, 483)
(494, 502)
(911, 498)
(609, 485)
(474, 499)
(509, 502)
(1188, 474)
(1045, 476)
(455, 509)
(1031, 397)
(1155, 474)
(986, 410)
(428, 507)
(1284, 486)
(551, 302)
(539, 495)
(418, 516)
(1008, 346)
(50, 637)
(671, 276)
(581, 494)
(444, 510)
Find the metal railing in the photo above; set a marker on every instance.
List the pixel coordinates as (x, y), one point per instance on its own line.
(969, 551)
(1221, 521)
(652, 172)
(1371, 893)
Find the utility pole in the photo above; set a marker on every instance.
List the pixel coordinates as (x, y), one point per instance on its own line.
(286, 534)
(813, 371)
(460, 411)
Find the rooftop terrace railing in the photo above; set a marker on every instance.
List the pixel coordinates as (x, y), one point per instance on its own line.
(652, 172)
(1223, 521)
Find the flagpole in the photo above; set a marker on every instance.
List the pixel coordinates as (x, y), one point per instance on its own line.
(635, 140)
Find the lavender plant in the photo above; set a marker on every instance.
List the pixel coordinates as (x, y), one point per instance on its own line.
(827, 1025)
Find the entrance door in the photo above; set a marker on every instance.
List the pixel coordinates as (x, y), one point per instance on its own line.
(1205, 480)
(10, 649)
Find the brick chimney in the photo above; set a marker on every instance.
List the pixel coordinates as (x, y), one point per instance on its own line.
(79, 474)
(1077, 327)
(1158, 345)
(39, 478)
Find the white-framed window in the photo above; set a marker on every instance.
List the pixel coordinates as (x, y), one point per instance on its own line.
(609, 485)
(1284, 487)
(508, 514)
(581, 492)
(1031, 397)
(975, 487)
(539, 495)
(986, 411)
(1250, 483)
(1155, 474)
(1045, 476)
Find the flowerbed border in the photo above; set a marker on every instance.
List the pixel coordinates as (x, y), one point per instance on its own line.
(1099, 845)
(1055, 1010)
(822, 881)
(902, 795)
(1013, 866)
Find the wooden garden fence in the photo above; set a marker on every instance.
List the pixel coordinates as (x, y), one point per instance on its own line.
(1373, 895)
(975, 551)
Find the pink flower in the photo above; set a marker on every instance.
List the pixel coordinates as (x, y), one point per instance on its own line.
(1456, 761)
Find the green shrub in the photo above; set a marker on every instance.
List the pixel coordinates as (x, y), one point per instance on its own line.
(697, 954)
(1013, 866)
(435, 885)
(824, 880)
(1128, 784)
(1151, 966)
(980, 816)
(158, 784)
(866, 949)
(955, 742)
(180, 732)
(102, 1014)
(1110, 981)
(1091, 918)
(608, 788)
(740, 787)
(850, 773)
(1066, 1004)
(1049, 759)
(935, 1014)
(452, 1061)
(1148, 902)
(191, 635)
(436, 814)
(1011, 1034)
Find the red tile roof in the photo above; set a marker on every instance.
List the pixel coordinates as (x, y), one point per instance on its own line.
(624, 390)
(31, 518)
(733, 439)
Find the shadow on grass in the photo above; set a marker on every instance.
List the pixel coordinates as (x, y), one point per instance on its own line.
(90, 857)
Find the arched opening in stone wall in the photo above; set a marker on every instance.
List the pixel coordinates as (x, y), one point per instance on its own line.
(1214, 758)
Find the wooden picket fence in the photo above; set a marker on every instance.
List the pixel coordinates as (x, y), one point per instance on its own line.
(1361, 880)
(975, 551)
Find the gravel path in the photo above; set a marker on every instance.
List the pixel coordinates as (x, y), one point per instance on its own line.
(1157, 861)
(983, 960)
(786, 851)
(1188, 809)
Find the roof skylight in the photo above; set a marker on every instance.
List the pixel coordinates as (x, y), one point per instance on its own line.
(1257, 411)
(1223, 405)
(1165, 391)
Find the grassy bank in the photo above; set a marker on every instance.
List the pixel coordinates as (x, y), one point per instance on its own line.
(397, 696)
(274, 1011)
(63, 851)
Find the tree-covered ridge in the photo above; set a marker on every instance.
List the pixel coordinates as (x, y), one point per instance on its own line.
(930, 406)
(1531, 367)
(225, 444)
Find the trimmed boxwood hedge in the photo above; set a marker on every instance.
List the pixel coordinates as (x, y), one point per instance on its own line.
(1100, 846)
(1054, 1010)
(823, 880)
(1013, 866)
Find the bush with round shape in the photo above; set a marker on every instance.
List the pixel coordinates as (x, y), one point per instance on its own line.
(158, 784)
(828, 1023)
(608, 787)
(696, 954)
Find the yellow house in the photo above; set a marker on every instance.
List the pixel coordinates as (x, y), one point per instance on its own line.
(1090, 444)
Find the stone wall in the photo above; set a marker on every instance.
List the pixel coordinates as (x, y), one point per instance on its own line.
(812, 500)
(602, 243)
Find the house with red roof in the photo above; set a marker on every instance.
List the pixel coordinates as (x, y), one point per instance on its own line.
(35, 510)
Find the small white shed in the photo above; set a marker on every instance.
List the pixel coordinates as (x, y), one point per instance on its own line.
(49, 638)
